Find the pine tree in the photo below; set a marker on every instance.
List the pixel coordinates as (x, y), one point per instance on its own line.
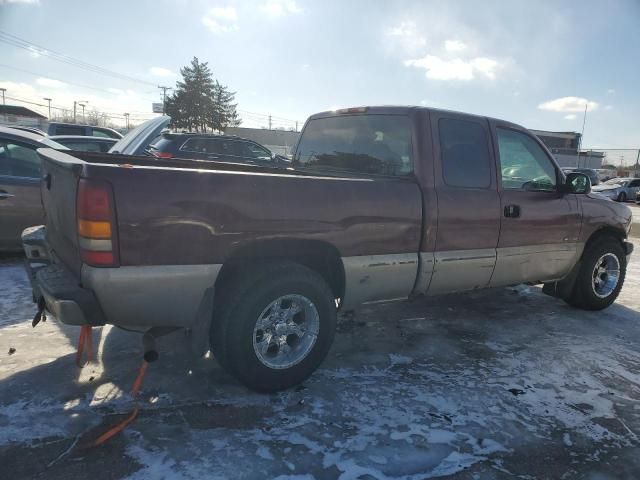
(200, 102)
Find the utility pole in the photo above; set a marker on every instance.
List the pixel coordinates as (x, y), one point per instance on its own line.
(269, 122)
(48, 100)
(126, 116)
(3, 90)
(296, 126)
(75, 104)
(584, 120)
(164, 97)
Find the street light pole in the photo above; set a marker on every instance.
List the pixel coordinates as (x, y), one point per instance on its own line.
(3, 90)
(126, 116)
(48, 100)
(75, 103)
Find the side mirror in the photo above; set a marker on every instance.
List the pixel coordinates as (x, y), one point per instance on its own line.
(577, 183)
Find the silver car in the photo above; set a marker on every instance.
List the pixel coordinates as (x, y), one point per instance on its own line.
(619, 189)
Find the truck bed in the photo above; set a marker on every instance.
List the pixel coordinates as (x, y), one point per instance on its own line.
(189, 212)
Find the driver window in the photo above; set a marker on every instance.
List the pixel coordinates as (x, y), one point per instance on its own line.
(524, 164)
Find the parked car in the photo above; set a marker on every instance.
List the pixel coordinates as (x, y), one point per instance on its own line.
(589, 172)
(20, 205)
(222, 148)
(619, 189)
(35, 130)
(56, 128)
(85, 143)
(256, 262)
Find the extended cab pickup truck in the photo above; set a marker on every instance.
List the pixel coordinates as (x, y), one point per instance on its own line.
(380, 203)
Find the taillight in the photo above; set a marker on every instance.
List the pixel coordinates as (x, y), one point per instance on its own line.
(96, 223)
(162, 154)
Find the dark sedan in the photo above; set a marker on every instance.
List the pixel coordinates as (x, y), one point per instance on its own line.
(20, 205)
(83, 143)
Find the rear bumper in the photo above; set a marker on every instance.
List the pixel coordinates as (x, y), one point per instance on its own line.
(138, 297)
(54, 285)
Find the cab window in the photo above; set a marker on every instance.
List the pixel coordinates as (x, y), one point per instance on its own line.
(523, 163)
(19, 161)
(365, 144)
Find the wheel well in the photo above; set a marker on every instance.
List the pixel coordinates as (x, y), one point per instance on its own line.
(321, 257)
(606, 232)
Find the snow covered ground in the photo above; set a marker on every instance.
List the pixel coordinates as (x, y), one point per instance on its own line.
(494, 384)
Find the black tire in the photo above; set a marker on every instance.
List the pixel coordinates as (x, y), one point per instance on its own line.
(622, 197)
(245, 299)
(584, 295)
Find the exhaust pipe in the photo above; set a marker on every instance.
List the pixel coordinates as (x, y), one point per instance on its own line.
(150, 354)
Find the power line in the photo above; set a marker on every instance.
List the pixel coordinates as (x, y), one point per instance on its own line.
(29, 72)
(15, 41)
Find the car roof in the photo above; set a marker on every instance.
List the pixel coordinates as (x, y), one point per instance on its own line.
(85, 138)
(20, 134)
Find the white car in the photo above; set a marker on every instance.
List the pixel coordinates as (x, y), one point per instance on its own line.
(619, 189)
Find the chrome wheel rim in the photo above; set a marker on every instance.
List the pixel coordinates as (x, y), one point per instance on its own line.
(606, 275)
(286, 331)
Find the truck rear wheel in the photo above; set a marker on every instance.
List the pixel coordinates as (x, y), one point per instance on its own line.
(601, 275)
(275, 326)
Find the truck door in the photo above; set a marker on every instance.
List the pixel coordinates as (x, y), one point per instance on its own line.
(539, 225)
(20, 205)
(468, 203)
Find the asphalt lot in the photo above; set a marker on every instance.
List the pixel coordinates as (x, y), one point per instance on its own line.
(494, 384)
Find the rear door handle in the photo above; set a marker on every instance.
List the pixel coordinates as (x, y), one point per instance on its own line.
(5, 195)
(512, 211)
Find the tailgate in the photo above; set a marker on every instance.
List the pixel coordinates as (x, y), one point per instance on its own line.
(60, 174)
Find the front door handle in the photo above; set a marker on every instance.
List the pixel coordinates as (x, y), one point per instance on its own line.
(5, 195)
(512, 211)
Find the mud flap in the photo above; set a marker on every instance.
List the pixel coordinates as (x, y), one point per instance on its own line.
(563, 288)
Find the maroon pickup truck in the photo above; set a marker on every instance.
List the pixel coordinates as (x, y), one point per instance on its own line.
(379, 203)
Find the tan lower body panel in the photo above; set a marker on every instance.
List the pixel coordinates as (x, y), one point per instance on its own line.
(461, 270)
(378, 277)
(534, 263)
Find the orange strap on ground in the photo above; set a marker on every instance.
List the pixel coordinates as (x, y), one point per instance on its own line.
(123, 424)
(85, 339)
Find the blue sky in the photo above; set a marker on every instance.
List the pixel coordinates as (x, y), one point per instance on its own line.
(535, 63)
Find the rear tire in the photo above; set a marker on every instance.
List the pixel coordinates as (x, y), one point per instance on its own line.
(601, 275)
(275, 326)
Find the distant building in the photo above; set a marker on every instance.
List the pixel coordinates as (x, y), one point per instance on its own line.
(565, 146)
(17, 115)
(278, 141)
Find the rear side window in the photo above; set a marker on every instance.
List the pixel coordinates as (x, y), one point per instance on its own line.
(370, 144)
(69, 130)
(464, 154)
(99, 133)
(85, 146)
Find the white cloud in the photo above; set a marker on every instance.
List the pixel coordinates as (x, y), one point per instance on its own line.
(221, 19)
(454, 46)
(611, 91)
(568, 104)
(161, 72)
(455, 69)
(279, 8)
(571, 116)
(50, 82)
(23, 2)
(608, 107)
(407, 34)
(34, 52)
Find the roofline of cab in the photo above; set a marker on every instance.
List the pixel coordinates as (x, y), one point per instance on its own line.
(401, 110)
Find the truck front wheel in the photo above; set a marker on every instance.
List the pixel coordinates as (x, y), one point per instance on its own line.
(275, 326)
(601, 275)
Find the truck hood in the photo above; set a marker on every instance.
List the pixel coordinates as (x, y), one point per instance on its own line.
(137, 140)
